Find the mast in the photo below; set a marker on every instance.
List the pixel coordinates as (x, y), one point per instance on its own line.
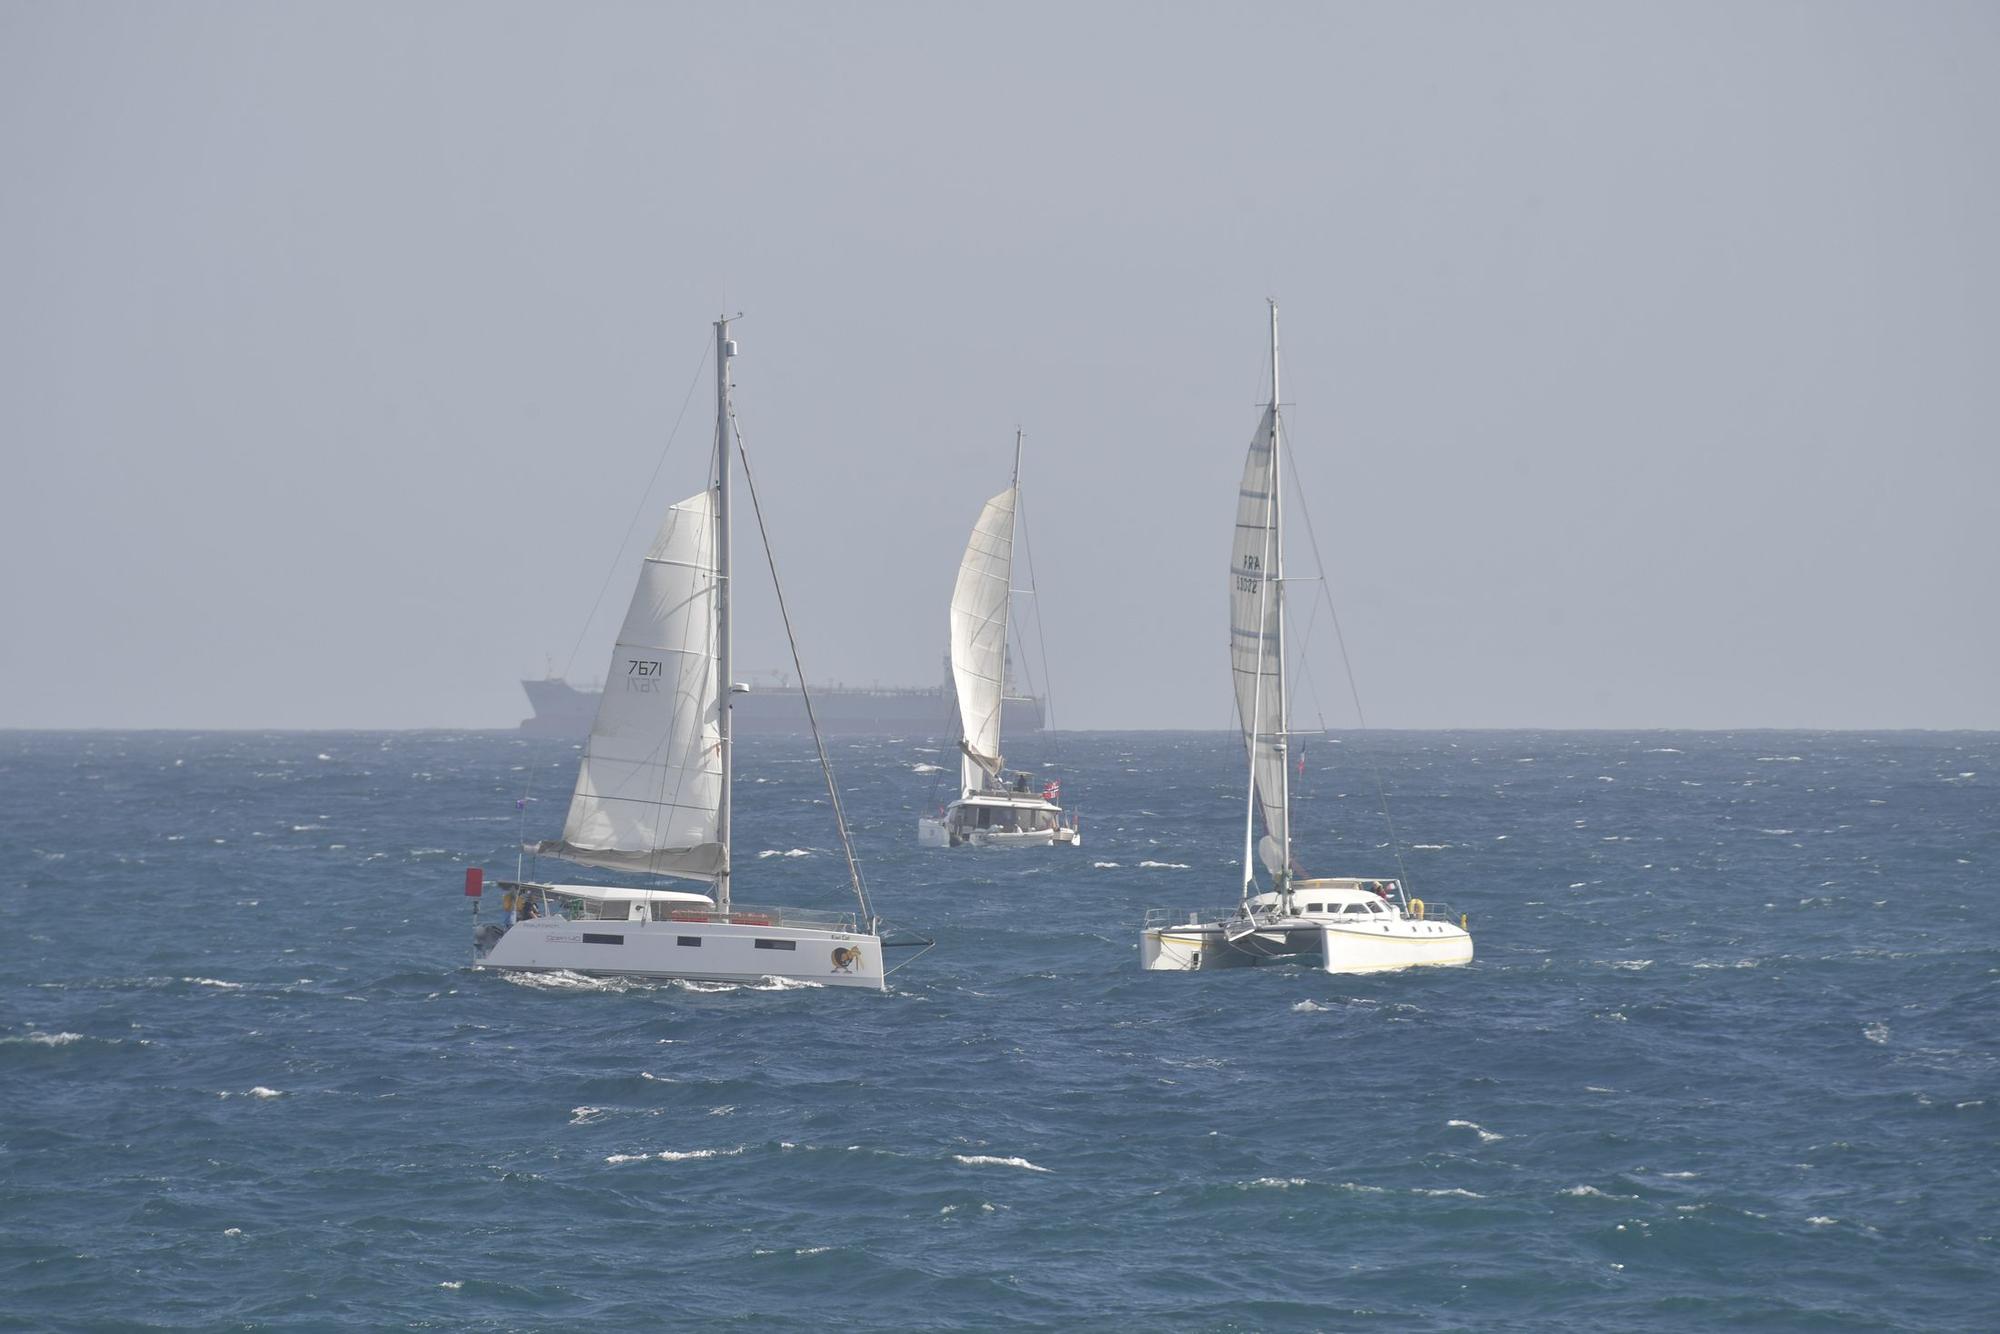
(1282, 742)
(1007, 610)
(1256, 728)
(724, 350)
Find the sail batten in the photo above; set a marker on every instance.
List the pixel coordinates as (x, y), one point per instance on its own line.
(1256, 640)
(649, 789)
(979, 608)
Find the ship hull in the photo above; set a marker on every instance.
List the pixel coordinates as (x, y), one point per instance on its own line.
(564, 710)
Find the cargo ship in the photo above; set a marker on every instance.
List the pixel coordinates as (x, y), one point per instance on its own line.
(772, 705)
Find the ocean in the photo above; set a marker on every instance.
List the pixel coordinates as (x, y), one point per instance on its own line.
(1727, 1056)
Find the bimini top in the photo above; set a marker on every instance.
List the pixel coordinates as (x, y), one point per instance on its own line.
(617, 893)
(1010, 801)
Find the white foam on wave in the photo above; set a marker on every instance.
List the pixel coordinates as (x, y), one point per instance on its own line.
(1629, 965)
(1877, 1032)
(1163, 866)
(1104, 866)
(1310, 1007)
(1429, 847)
(564, 980)
(1593, 1193)
(1276, 1183)
(786, 984)
(788, 852)
(46, 1039)
(927, 768)
(583, 1116)
(1663, 750)
(452, 1284)
(258, 1092)
(1821, 1220)
(232, 1232)
(1450, 1190)
(674, 1155)
(989, 1160)
(213, 982)
(1485, 1136)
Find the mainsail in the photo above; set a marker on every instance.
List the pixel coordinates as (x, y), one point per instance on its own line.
(979, 604)
(1256, 638)
(651, 782)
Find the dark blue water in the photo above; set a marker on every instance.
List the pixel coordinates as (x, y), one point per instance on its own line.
(1728, 1054)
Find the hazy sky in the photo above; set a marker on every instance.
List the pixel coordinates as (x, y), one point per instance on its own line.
(1645, 358)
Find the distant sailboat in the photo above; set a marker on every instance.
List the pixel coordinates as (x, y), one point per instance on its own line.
(996, 807)
(1346, 925)
(653, 794)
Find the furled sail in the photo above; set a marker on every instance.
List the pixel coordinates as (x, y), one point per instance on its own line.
(979, 604)
(1255, 638)
(651, 782)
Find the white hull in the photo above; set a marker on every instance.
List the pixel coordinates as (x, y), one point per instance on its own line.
(1191, 949)
(1341, 926)
(698, 951)
(935, 833)
(1195, 948)
(1408, 945)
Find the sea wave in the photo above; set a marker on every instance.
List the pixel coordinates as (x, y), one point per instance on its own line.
(1485, 1136)
(988, 1160)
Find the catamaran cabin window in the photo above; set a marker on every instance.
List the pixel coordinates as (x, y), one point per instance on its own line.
(688, 940)
(1357, 907)
(1315, 907)
(777, 944)
(1376, 907)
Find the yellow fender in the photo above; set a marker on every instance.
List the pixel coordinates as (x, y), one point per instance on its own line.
(1417, 909)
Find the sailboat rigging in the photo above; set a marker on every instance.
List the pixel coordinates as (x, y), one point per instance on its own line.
(1343, 924)
(653, 794)
(996, 806)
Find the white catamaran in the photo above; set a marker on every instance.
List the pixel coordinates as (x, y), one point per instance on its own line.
(1344, 924)
(995, 807)
(653, 794)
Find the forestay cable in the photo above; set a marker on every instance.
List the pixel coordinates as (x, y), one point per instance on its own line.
(819, 743)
